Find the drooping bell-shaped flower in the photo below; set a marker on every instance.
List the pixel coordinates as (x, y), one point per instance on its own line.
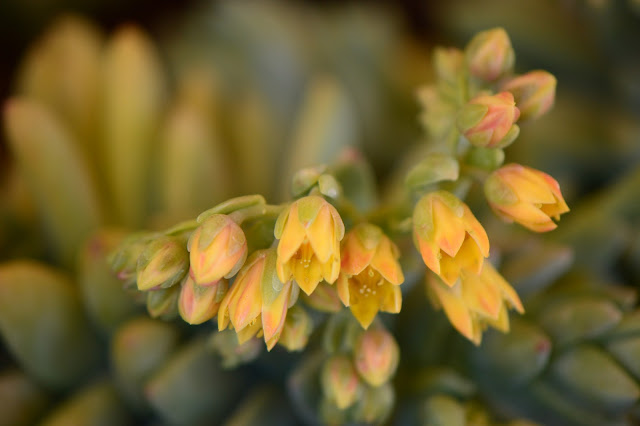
(448, 236)
(476, 301)
(370, 274)
(310, 231)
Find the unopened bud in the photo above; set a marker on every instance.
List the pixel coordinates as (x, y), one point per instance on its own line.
(534, 93)
(163, 303)
(304, 179)
(218, 248)
(487, 121)
(163, 263)
(340, 381)
(375, 405)
(200, 303)
(489, 55)
(225, 344)
(297, 328)
(124, 260)
(376, 356)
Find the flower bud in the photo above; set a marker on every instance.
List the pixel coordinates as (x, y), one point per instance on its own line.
(163, 303)
(376, 356)
(487, 121)
(524, 195)
(534, 93)
(489, 55)
(225, 344)
(218, 248)
(375, 405)
(200, 303)
(124, 260)
(163, 263)
(340, 382)
(297, 328)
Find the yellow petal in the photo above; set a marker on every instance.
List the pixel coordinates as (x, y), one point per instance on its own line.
(365, 310)
(481, 295)
(343, 289)
(386, 264)
(354, 256)
(321, 234)
(246, 304)
(430, 254)
(449, 270)
(449, 230)
(508, 293)
(392, 301)
(249, 331)
(476, 231)
(274, 315)
(469, 257)
(292, 236)
(455, 308)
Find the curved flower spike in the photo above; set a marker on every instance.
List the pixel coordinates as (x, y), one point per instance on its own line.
(448, 236)
(370, 274)
(217, 249)
(476, 302)
(309, 232)
(527, 196)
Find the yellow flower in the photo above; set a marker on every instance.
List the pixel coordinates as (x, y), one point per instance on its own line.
(448, 236)
(369, 274)
(257, 303)
(217, 249)
(309, 249)
(527, 196)
(475, 302)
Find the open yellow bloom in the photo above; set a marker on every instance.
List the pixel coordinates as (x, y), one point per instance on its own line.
(257, 303)
(527, 196)
(475, 302)
(369, 274)
(448, 236)
(310, 232)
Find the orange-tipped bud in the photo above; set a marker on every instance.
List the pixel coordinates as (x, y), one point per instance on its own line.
(163, 263)
(487, 121)
(197, 303)
(340, 382)
(370, 274)
(476, 302)
(376, 356)
(534, 93)
(218, 248)
(527, 196)
(448, 236)
(309, 231)
(489, 55)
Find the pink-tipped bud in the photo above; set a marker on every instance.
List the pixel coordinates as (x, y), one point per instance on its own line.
(534, 93)
(489, 55)
(218, 248)
(197, 303)
(487, 121)
(527, 196)
(376, 356)
(340, 382)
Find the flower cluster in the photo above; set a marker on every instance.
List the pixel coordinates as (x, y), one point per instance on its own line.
(470, 115)
(221, 264)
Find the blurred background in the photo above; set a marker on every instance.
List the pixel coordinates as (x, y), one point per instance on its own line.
(138, 114)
